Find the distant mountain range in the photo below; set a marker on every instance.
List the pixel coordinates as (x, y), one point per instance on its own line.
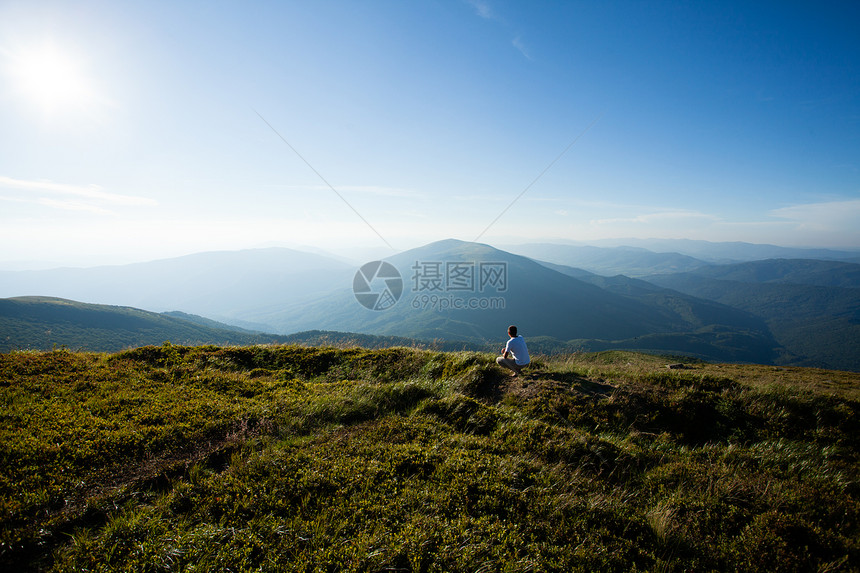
(630, 261)
(227, 286)
(568, 311)
(803, 311)
(729, 252)
(658, 256)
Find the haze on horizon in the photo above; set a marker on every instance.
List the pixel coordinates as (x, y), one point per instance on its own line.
(140, 130)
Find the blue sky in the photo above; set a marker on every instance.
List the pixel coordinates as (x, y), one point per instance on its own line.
(133, 130)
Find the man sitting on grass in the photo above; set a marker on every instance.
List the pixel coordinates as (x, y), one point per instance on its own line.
(515, 355)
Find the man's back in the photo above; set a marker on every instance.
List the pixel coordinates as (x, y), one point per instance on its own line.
(517, 346)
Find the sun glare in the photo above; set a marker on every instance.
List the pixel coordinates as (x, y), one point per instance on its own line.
(51, 79)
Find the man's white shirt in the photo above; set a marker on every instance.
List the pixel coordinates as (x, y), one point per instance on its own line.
(517, 346)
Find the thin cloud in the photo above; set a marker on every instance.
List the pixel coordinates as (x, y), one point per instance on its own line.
(519, 45)
(72, 206)
(474, 197)
(482, 8)
(377, 190)
(57, 204)
(829, 223)
(830, 215)
(661, 216)
(367, 189)
(93, 192)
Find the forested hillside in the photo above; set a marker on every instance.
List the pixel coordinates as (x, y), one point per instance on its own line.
(812, 308)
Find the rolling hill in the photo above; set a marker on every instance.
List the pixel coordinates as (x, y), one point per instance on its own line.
(41, 323)
(787, 271)
(44, 323)
(811, 307)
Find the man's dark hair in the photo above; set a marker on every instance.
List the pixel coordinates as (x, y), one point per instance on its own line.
(512, 330)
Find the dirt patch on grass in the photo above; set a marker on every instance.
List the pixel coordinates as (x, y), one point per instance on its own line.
(530, 385)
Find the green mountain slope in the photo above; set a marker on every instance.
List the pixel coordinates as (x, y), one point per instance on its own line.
(289, 459)
(697, 312)
(819, 325)
(788, 271)
(34, 323)
(45, 322)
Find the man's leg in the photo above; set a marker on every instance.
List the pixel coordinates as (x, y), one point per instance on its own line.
(508, 363)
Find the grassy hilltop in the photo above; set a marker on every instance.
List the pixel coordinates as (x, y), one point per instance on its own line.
(288, 458)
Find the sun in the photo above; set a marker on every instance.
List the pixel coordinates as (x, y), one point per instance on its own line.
(51, 79)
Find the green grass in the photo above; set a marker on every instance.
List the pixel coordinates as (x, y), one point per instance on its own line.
(292, 458)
